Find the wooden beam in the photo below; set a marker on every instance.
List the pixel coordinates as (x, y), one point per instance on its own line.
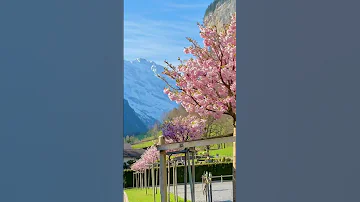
(163, 183)
(196, 143)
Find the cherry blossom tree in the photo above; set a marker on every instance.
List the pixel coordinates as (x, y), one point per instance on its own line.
(150, 156)
(139, 165)
(182, 129)
(206, 83)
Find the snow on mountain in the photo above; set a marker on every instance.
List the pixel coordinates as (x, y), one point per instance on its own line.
(144, 90)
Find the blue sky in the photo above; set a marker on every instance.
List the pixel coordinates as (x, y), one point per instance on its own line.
(156, 29)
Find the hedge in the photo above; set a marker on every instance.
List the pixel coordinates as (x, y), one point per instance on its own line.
(216, 169)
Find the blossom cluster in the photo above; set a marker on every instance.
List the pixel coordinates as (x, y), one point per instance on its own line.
(206, 84)
(179, 129)
(150, 156)
(182, 129)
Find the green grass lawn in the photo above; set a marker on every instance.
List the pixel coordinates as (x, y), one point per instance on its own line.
(143, 144)
(137, 195)
(227, 152)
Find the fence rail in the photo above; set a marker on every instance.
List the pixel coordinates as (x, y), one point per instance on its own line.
(221, 177)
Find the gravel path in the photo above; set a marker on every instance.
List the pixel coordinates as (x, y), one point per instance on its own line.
(221, 191)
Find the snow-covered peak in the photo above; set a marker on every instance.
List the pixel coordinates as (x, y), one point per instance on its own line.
(144, 90)
(141, 60)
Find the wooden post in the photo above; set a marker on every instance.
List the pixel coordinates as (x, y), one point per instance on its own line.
(133, 180)
(156, 179)
(163, 171)
(185, 178)
(176, 190)
(206, 186)
(190, 179)
(136, 180)
(156, 176)
(234, 167)
(193, 171)
(141, 184)
(174, 179)
(148, 179)
(145, 181)
(168, 176)
(210, 186)
(153, 181)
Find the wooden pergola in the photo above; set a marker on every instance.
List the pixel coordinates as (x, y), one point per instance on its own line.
(162, 147)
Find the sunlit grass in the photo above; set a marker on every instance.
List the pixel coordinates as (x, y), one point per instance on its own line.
(143, 144)
(226, 152)
(223, 152)
(137, 195)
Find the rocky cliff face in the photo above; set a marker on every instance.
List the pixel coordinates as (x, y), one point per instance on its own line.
(133, 125)
(219, 13)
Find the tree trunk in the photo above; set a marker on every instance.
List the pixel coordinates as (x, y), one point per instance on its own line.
(234, 166)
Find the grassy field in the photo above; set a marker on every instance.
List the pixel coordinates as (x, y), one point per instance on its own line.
(227, 152)
(135, 195)
(143, 144)
(224, 152)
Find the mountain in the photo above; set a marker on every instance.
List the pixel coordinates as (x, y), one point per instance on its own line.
(144, 91)
(133, 125)
(219, 13)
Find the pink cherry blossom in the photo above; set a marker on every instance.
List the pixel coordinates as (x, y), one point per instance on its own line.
(182, 129)
(149, 157)
(206, 83)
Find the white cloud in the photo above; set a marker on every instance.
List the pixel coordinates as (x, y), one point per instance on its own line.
(160, 34)
(157, 40)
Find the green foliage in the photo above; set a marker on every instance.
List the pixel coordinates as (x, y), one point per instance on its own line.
(223, 159)
(219, 127)
(216, 169)
(141, 136)
(180, 111)
(130, 162)
(130, 139)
